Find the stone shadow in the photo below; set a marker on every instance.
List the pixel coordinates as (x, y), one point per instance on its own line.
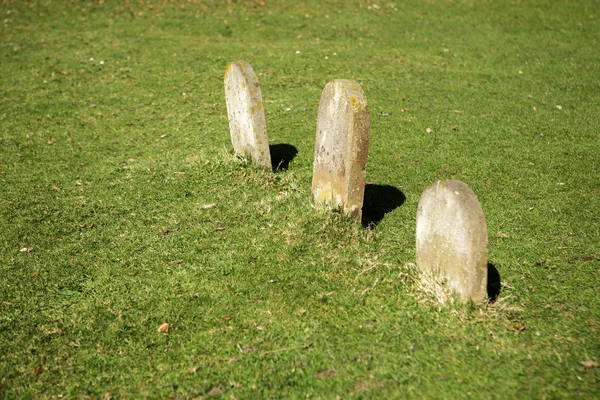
(379, 200)
(494, 283)
(281, 155)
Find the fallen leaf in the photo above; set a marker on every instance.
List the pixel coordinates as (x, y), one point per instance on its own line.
(54, 187)
(219, 228)
(247, 349)
(37, 371)
(428, 130)
(176, 262)
(520, 327)
(226, 317)
(217, 390)
(493, 334)
(501, 235)
(207, 206)
(590, 364)
(327, 372)
(559, 107)
(164, 328)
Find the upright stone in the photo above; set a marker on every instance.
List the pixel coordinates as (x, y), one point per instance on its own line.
(247, 123)
(341, 147)
(452, 237)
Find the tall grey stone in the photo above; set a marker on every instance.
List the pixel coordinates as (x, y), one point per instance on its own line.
(452, 237)
(341, 148)
(247, 124)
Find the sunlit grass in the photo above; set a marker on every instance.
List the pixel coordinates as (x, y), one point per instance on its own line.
(117, 173)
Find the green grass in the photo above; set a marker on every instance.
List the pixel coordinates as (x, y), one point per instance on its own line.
(106, 171)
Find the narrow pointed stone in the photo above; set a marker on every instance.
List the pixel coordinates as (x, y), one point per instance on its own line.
(247, 124)
(452, 237)
(342, 147)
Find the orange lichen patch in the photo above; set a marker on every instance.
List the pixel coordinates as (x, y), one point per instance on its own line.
(259, 105)
(227, 69)
(251, 110)
(243, 84)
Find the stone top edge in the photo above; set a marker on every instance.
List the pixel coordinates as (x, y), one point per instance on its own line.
(244, 67)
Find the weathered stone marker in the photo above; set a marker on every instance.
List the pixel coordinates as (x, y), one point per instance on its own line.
(341, 147)
(452, 237)
(247, 123)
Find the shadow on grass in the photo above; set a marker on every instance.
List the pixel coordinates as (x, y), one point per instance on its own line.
(494, 283)
(380, 200)
(281, 155)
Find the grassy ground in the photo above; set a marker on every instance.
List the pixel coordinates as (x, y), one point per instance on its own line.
(114, 146)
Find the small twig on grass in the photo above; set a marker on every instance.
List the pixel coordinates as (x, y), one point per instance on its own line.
(365, 271)
(304, 346)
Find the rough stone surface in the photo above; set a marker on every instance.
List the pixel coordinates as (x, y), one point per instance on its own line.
(247, 123)
(341, 147)
(452, 237)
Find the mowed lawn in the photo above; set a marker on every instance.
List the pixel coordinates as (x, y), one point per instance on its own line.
(123, 207)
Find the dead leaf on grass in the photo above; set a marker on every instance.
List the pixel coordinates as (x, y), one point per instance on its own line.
(506, 285)
(590, 364)
(501, 235)
(247, 349)
(520, 327)
(176, 262)
(217, 390)
(37, 371)
(327, 372)
(163, 328)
